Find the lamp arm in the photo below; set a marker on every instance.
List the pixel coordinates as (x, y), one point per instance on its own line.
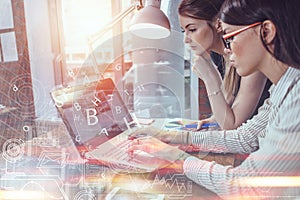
(109, 26)
(114, 21)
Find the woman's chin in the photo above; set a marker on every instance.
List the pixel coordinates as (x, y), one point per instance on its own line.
(242, 72)
(203, 53)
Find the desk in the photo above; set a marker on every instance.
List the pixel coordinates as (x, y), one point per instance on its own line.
(52, 165)
(172, 186)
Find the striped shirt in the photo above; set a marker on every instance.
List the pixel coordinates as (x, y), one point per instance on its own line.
(273, 139)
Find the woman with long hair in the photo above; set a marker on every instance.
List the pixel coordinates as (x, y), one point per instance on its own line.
(260, 35)
(233, 100)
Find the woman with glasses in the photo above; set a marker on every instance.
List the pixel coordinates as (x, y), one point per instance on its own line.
(233, 100)
(260, 35)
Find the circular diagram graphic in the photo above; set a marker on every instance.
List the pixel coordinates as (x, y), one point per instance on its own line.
(85, 195)
(13, 149)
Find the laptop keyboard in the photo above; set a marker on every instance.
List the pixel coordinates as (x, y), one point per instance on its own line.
(116, 152)
(119, 152)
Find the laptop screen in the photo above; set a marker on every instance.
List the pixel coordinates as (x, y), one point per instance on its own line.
(93, 112)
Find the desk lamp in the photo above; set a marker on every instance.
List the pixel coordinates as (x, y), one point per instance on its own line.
(149, 23)
(148, 19)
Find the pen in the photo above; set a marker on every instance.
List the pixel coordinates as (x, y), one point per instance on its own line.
(209, 125)
(205, 125)
(191, 126)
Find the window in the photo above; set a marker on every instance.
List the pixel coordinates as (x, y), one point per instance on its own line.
(16, 93)
(85, 49)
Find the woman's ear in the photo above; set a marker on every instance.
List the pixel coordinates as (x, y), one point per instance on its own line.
(218, 26)
(268, 31)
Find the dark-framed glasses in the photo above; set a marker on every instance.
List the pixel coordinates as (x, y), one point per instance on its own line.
(228, 38)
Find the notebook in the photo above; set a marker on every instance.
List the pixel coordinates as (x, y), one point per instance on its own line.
(99, 124)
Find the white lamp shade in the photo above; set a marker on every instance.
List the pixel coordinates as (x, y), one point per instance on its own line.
(150, 22)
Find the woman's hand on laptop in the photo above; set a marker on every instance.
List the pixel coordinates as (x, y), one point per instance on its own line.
(157, 148)
(163, 135)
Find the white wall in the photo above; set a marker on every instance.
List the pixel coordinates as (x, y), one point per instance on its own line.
(170, 7)
(41, 56)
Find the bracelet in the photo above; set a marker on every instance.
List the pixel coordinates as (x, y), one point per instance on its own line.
(214, 93)
(181, 136)
(187, 137)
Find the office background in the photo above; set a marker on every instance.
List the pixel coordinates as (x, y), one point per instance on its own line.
(44, 43)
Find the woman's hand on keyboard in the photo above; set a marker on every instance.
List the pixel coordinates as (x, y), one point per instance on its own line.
(156, 148)
(163, 135)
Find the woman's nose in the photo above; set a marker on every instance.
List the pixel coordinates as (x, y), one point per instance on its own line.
(227, 51)
(186, 38)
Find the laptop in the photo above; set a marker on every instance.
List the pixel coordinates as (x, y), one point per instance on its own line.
(100, 124)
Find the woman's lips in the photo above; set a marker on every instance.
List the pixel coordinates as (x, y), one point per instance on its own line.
(232, 63)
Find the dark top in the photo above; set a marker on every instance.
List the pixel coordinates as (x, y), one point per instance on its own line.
(264, 96)
(219, 62)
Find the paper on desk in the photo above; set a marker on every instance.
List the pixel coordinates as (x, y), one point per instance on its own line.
(187, 124)
(180, 123)
(145, 121)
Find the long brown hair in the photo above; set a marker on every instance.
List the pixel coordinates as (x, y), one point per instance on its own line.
(284, 14)
(208, 10)
(231, 83)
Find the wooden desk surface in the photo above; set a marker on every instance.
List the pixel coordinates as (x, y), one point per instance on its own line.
(171, 186)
